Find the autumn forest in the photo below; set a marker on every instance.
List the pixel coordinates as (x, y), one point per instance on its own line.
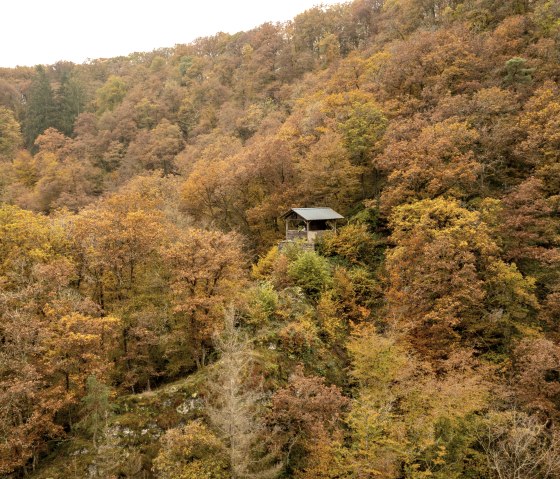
(150, 326)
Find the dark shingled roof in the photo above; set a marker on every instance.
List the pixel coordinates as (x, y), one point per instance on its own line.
(311, 214)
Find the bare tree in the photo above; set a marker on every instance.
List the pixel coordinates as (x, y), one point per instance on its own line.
(235, 405)
(519, 446)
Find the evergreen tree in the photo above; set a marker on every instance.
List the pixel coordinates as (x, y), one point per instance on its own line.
(41, 107)
(96, 408)
(71, 102)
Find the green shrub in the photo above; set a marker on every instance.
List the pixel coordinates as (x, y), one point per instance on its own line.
(311, 272)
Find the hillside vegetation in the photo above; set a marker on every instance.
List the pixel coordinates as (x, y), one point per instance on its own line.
(150, 328)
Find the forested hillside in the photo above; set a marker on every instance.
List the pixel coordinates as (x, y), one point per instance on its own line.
(151, 328)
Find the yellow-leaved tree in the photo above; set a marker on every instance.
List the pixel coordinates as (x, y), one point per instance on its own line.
(448, 287)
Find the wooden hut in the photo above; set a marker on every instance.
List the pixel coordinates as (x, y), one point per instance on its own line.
(306, 224)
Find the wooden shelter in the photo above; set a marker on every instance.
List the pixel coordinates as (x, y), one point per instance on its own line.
(306, 224)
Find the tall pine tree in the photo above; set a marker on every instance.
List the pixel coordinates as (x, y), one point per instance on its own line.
(41, 107)
(71, 102)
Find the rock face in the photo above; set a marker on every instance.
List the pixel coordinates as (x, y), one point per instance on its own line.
(131, 439)
(189, 406)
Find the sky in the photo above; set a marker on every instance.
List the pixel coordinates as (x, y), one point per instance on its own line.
(45, 31)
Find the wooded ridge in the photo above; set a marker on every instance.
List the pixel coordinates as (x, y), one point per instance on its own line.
(150, 327)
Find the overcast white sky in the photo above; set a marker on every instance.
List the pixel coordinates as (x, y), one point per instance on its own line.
(45, 31)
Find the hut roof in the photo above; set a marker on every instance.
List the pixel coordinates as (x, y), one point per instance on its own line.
(313, 214)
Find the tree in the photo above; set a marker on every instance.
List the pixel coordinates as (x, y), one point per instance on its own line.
(116, 239)
(35, 277)
(188, 117)
(30, 403)
(192, 452)
(406, 419)
(71, 102)
(234, 406)
(310, 272)
(117, 248)
(306, 419)
(437, 160)
(536, 376)
(353, 242)
(10, 135)
(156, 149)
(446, 255)
(41, 107)
(96, 408)
(362, 130)
(111, 94)
(79, 346)
(206, 270)
(328, 175)
(517, 72)
(28, 240)
(528, 226)
(519, 446)
(206, 193)
(540, 119)
(54, 177)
